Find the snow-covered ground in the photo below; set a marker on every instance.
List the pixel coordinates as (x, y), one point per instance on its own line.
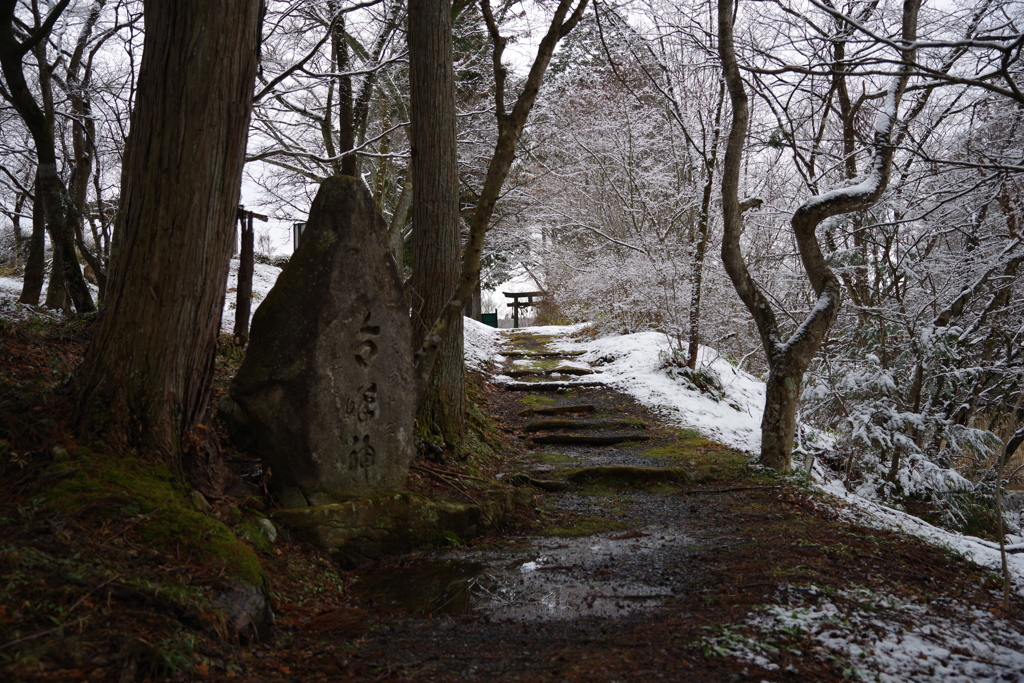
(263, 278)
(482, 343)
(10, 288)
(883, 637)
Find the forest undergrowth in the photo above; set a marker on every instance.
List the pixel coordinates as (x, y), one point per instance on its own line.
(111, 570)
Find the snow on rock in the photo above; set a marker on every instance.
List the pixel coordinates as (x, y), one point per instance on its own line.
(480, 347)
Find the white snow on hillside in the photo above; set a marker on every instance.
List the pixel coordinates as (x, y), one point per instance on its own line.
(632, 363)
(263, 278)
(481, 345)
(10, 288)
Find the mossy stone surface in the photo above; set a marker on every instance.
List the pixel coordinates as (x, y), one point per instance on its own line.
(363, 529)
(106, 484)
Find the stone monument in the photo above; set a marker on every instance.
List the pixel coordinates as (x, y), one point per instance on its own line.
(326, 394)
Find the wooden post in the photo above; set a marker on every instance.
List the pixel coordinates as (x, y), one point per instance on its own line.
(246, 266)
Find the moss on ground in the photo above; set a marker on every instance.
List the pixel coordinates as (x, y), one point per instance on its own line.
(550, 458)
(95, 482)
(481, 444)
(533, 402)
(538, 365)
(707, 460)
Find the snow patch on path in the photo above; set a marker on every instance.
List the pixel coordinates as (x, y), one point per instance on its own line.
(889, 639)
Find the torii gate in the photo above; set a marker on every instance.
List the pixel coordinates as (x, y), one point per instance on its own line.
(517, 304)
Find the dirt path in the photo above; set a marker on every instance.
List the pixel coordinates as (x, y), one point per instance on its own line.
(666, 556)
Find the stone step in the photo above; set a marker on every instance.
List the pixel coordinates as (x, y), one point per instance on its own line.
(544, 425)
(588, 439)
(561, 370)
(631, 475)
(558, 410)
(542, 354)
(552, 385)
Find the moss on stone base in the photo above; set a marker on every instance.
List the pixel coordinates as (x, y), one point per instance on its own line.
(363, 529)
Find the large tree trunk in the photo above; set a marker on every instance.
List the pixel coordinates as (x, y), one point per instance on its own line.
(435, 211)
(510, 128)
(146, 375)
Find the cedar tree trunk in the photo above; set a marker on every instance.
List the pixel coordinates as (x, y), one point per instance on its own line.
(510, 128)
(435, 212)
(145, 380)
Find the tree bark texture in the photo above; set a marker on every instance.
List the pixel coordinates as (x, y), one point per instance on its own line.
(789, 359)
(435, 212)
(35, 258)
(346, 131)
(146, 375)
(703, 223)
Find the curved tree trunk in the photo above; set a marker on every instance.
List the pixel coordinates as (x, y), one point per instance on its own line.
(789, 359)
(146, 375)
(435, 211)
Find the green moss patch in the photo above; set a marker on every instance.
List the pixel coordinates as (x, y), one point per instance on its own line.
(93, 482)
(533, 402)
(705, 459)
(527, 341)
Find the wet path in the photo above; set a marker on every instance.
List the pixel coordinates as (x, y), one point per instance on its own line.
(656, 554)
(609, 550)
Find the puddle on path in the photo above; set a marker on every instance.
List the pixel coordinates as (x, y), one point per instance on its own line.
(552, 579)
